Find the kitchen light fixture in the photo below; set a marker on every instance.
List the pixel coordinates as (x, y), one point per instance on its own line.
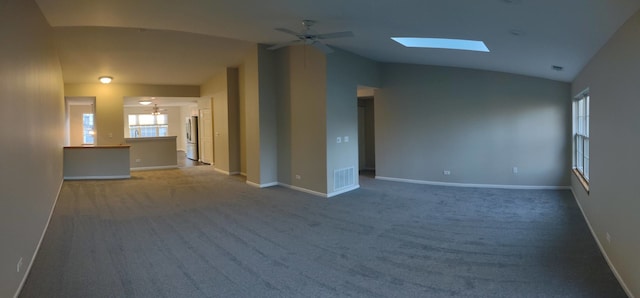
(442, 43)
(156, 110)
(145, 102)
(105, 79)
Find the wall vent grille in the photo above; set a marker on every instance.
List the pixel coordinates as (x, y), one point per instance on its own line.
(343, 178)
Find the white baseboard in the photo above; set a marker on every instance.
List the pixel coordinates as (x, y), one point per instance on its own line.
(339, 192)
(264, 185)
(222, 171)
(313, 192)
(604, 253)
(35, 253)
(438, 183)
(226, 172)
(97, 177)
(154, 168)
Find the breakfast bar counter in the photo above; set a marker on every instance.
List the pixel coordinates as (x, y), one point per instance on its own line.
(96, 162)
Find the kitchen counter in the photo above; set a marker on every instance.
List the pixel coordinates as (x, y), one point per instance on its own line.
(153, 153)
(96, 162)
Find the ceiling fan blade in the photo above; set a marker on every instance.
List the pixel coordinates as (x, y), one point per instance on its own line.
(285, 30)
(282, 45)
(322, 47)
(335, 35)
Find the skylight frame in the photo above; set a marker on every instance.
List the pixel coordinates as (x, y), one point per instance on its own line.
(442, 43)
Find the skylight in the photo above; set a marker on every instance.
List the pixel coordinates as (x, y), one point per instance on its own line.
(442, 43)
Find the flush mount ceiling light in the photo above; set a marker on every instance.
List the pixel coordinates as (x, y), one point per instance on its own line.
(145, 102)
(105, 79)
(442, 43)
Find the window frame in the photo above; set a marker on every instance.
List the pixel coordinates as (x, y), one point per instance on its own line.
(581, 159)
(157, 127)
(88, 132)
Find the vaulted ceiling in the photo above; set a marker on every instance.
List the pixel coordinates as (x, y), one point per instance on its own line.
(188, 41)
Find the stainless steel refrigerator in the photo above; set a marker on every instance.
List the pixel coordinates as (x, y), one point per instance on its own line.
(192, 137)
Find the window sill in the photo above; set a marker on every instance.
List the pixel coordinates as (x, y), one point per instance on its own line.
(583, 181)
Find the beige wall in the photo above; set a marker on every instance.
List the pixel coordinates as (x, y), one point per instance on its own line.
(223, 88)
(216, 89)
(613, 202)
(268, 117)
(233, 107)
(302, 128)
(476, 124)
(148, 153)
(249, 117)
(345, 71)
(32, 127)
(242, 117)
(316, 103)
(110, 108)
(111, 162)
(258, 98)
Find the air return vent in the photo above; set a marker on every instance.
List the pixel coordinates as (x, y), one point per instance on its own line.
(343, 178)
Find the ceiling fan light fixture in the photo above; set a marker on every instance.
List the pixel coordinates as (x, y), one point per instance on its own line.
(442, 43)
(105, 79)
(310, 37)
(156, 110)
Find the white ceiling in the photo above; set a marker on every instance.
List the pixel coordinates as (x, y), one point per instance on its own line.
(102, 37)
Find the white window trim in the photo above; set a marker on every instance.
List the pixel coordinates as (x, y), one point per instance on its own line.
(154, 125)
(581, 156)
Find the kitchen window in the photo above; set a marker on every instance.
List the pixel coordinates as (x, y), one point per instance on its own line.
(148, 125)
(87, 129)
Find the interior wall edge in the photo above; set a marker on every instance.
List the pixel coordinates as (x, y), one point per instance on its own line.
(44, 232)
(624, 286)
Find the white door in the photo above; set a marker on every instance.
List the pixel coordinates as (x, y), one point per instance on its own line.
(206, 136)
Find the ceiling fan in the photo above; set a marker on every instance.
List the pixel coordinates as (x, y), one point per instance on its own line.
(309, 36)
(155, 110)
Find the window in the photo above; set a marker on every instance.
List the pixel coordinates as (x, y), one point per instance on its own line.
(148, 125)
(87, 129)
(581, 134)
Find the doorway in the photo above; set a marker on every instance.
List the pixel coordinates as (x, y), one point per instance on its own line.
(80, 128)
(366, 135)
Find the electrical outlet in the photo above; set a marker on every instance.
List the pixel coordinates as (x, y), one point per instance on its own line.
(446, 172)
(346, 139)
(515, 170)
(138, 160)
(608, 238)
(19, 265)
(298, 177)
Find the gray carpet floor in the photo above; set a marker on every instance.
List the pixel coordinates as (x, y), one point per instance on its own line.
(192, 232)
